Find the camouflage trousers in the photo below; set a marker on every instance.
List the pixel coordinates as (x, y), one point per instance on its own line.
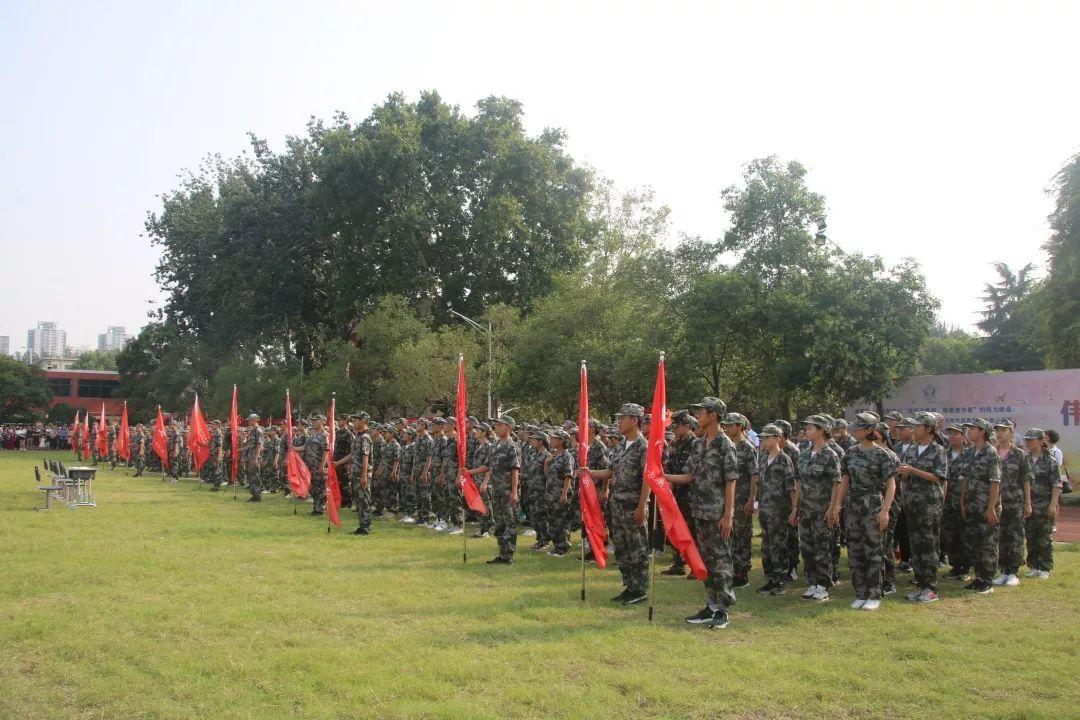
(487, 522)
(716, 555)
(423, 500)
(682, 498)
(362, 500)
(952, 537)
(865, 547)
(140, 465)
(631, 543)
(1011, 537)
(888, 543)
(268, 476)
(253, 478)
(981, 541)
(557, 515)
(112, 458)
(211, 473)
(924, 527)
(504, 516)
(454, 505)
(318, 490)
(1039, 530)
(792, 547)
(816, 539)
(408, 494)
(438, 498)
(774, 542)
(539, 512)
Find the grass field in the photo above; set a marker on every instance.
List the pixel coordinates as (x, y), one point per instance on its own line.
(169, 601)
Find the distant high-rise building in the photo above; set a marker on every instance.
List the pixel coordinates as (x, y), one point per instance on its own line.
(112, 339)
(45, 341)
(5, 345)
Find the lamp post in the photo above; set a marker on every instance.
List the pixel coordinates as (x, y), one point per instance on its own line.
(480, 327)
(821, 239)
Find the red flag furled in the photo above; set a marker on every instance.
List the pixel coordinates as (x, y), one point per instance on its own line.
(675, 527)
(592, 517)
(75, 434)
(160, 441)
(102, 434)
(86, 436)
(468, 487)
(123, 440)
(234, 436)
(198, 436)
(295, 470)
(333, 488)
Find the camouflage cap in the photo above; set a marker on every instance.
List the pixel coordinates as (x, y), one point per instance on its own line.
(472, 419)
(907, 423)
(505, 420)
(1007, 424)
(595, 424)
(212, 422)
(839, 423)
(683, 417)
(561, 435)
(783, 425)
(410, 430)
(631, 410)
(864, 421)
(925, 418)
(438, 420)
(894, 415)
(483, 426)
(954, 427)
(732, 418)
(252, 416)
(770, 430)
(360, 416)
(669, 436)
(711, 404)
(1035, 434)
(317, 416)
(821, 421)
(538, 435)
(882, 428)
(980, 423)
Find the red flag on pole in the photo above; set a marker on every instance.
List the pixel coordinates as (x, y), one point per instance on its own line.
(592, 517)
(86, 436)
(198, 436)
(295, 470)
(123, 440)
(102, 434)
(468, 487)
(75, 434)
(160, 441)
(675, 527)
(234, 436)
(333, 488)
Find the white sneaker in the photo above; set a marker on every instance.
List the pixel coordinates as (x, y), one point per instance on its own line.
(407, 519)
(871, 605)
(455, 531)
(529, 533)
(1032, 574)
(820, 594)
(809, 592)
(794, 574)
(1012, 581)
(1044, 574)
(1000, 579)
(857, 604)
(914, 595)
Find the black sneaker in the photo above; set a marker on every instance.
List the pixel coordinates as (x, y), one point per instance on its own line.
(984, 587)
(955, 574)
(635, 598)
(558, 553)
(888, 589)
(836, 578)
(767, 587)
(720, 620)
(254, 499)
(621, 596)
(673, 571)
(740, 582)
(778, 589)
(705, 615)
(972, 585)
(500, 560)
(361, 531)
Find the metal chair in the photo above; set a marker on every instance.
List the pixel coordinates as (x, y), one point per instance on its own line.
(49, 490)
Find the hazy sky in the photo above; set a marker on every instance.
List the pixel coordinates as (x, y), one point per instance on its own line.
(932, 129)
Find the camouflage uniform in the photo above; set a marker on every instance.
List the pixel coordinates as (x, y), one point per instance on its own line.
(868, 471)
(312, 453)
(1015, 475)
(112, 434)
(483, 458)
(138, 452)
(361, 447)
(982, 469)
(453, 507)
(211, 469)
(819, 473)
(438, 489)
(952, 519)
(558, 467)
(175, 447)
(923, 502)
(888, 538)
(713, 465)
(504, 457)
(678, 454)
(343, 442)
(792, 451)
(406, 487)
(597, 459)
(1039, 528)
(629, 538)
(533, 477)
(746, 457)
(776, 482)
(386, 486)
(267, 471)
(249, 460)
(422, 459)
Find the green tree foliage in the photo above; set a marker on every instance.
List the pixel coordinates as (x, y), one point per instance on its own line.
(1061, 290)
(1011, 321)
(23, 390)
(948, 351)
(61, 413)
(96, 360)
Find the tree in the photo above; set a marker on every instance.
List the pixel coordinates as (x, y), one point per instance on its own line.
(1061, 290)
(948, 351)
(61, 413)
(23, 389)
(96, 360)
(1010, 321)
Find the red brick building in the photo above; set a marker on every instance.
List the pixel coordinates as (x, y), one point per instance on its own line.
(86, 389)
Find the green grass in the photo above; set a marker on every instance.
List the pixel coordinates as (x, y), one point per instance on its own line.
(168, 601)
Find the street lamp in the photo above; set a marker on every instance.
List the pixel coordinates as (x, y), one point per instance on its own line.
(480, 327)
(821, 239)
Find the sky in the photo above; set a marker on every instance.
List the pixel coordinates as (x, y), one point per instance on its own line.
(933, 129)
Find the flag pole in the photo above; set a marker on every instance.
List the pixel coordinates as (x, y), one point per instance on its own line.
(462, 437)
(652, 555)
(582, 453)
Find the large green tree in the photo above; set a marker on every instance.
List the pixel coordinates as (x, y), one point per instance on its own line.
(23, 390)
(1061, 290)
(1010, 321)
(96, 360)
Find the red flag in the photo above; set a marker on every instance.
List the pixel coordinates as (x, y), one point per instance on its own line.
(123, 440)
(160, 441)
(86, 436)
(675, 527)
(75, 434)
(592, 517)
(468, 487)
(198, 436)
(333, 488)
(234, 435)
(102, 434)
(295, 469)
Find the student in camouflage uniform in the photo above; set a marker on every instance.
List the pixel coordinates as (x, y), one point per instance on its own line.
(1045, 493)
(952, 517)
(378, 442)
(343, 443)
(138, 449)
(746, 492)
(386, 485)
(711, 472)
(211, 469)
(923, 472)
(175, 442)
(448, 473)
(868, 483)
(1015, 504)
(679, 449)
(315, 452)
(777, 509)
(360, 471)
(559, 494)
(111, 434)
(504, 466)
(422, 459)
(482, 457)
(819, 480)
(406, 483)
(982, 486)
(533, 464)
(251, 447)
(437, 502)
(268, 460)
(596, 459)
(792, 451)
